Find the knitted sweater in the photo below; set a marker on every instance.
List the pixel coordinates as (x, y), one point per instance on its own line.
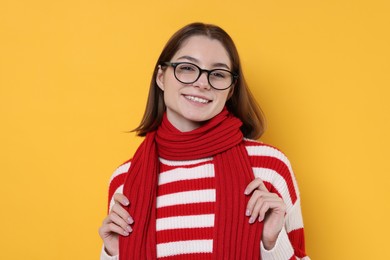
(186, 199)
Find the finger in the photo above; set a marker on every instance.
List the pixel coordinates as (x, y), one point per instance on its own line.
(252, 201)
(273, 204)
(117, 220)
(107, 230)
(257, 194)
(120, 211)
(256, 202)
(120, 198)
(267, 206)
(255, 184)
(117, 229)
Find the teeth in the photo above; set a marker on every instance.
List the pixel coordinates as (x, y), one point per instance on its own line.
(196, 99)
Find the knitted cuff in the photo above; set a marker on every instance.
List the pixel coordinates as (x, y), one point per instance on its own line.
(282, 249)
(105, 256)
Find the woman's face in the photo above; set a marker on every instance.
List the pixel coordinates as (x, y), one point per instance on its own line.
(189, 105)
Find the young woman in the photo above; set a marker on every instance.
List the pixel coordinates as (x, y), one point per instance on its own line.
(200, 186)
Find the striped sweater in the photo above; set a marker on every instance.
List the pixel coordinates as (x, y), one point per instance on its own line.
(186, 199)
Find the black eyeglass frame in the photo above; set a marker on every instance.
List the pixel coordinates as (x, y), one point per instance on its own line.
(175, 64)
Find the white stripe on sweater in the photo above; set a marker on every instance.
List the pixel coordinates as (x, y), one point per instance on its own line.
(185, 163)
(277, 181)
(272, 152)
(121, 169)
(184, 247)
(118, 190)
(194, 221)
(186, 197)
(294, 217)
(282, 249)
(180, 174)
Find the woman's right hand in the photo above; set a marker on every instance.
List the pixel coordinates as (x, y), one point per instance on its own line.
(116, 223)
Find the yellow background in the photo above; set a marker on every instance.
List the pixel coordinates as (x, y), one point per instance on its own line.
(74, 77)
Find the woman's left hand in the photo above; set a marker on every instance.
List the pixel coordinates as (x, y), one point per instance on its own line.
(267, 206)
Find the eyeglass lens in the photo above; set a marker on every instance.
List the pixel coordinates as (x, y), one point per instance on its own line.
(189, 73)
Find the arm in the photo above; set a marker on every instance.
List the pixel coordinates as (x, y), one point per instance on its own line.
(290, 242)
(118, 221)
(275, 200)
(105, 256)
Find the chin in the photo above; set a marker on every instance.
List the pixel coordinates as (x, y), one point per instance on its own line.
(197, 117)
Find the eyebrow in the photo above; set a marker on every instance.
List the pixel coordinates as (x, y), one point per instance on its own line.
(218, 64)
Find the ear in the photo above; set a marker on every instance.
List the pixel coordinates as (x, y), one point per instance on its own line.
(160, 78)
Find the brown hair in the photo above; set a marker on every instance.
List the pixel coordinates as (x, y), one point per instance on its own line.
(241, 103)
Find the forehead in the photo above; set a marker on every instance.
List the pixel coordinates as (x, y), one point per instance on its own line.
(204, 49)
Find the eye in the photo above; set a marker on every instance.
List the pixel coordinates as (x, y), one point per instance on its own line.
(219, 74)
(186, 67)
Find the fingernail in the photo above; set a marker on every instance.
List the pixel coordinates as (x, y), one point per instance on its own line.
(129, 228)
(126, 202)
(260, 219)
(130, 220)
(248, 213)
(251, 220)
(246, 192)
(125, 233)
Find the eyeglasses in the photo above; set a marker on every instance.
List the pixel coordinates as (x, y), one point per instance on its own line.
(188, 73)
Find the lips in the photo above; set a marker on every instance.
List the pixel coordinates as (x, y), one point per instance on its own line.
(197, 99)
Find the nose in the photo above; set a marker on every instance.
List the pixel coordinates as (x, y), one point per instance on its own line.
(203, 81)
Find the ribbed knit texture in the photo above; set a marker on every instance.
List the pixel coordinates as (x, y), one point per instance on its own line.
(220, 138)
(142, 244)
(186, 203)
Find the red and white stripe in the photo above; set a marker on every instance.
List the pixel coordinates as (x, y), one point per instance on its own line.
(186, 198)
(185, 208)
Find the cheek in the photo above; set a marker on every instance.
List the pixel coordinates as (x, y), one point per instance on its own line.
(170, 94)
(222, 97)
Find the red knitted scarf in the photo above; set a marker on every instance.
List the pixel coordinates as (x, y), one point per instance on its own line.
(220, 138)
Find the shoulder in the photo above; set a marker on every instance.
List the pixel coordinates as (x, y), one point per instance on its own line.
(121, 170)
(274, 168)
(118, 179)
(260, 149)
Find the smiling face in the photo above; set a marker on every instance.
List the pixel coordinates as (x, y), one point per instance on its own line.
(190, 105)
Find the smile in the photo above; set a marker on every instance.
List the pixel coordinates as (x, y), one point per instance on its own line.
(197, 99)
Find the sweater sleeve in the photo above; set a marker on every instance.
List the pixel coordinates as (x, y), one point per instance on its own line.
(274, 168)
(290, 242)
(105, 256)
(116, 186)
(116, 183)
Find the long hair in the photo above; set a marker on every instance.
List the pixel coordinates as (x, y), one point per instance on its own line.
(241, 103)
